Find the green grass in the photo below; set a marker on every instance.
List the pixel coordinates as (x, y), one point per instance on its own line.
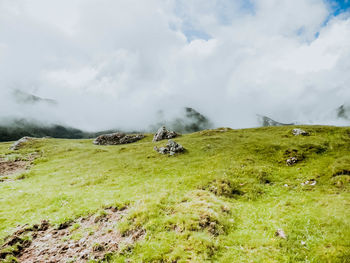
(221, 201)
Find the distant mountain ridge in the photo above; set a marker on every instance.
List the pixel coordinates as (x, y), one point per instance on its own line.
(19, 128)
(26, 98)
(190, 121)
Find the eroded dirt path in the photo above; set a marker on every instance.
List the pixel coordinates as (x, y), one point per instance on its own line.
(12, 167)
(81, 240)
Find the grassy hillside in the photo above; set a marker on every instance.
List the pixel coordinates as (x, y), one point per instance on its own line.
(221, 201)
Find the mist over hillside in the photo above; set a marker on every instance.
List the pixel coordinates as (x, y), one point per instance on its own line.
(97, 66)
(189, 120)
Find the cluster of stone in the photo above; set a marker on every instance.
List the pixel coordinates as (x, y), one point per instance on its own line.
(171, 148)
(291, 161)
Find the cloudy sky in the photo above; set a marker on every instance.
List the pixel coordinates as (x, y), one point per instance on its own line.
(115, 63)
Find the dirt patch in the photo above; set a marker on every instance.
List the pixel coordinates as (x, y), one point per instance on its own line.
(89, 238)
(12, 167)
(15, 164)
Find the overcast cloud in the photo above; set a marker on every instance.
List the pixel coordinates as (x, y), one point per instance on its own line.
(115, 63)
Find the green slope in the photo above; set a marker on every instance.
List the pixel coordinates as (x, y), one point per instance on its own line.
(221, 201)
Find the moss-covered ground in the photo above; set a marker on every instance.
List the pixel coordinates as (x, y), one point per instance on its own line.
(220, 201)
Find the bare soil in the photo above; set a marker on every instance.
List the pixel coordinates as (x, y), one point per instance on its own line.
(12, 167)
(92, 237)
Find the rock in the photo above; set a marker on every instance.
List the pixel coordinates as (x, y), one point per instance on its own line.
(309, 182)
(18, 144)
(280, 233)
(291, 161)
(171, 148)
(163, 133)
(298, 131)
(44, 225)
(65, 225)
(117, 138)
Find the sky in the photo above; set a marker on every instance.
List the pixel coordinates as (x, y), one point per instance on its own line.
(116, 63)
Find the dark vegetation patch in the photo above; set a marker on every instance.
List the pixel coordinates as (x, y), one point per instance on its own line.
(311, 148)
(201, 211)
(341, 166)
(301, 152)
(248, 183)
(224, 187)
(340, 172)
(293, 153)
(89, 238)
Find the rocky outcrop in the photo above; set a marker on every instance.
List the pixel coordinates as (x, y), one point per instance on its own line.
(117, 138)
(18, 144)
(163, 134)
(298, 131)
(171, 148)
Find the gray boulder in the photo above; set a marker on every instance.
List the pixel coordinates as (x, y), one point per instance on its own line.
(18, 144)
(171, 148)
(117, 138)
(298, 131)
(163, 134)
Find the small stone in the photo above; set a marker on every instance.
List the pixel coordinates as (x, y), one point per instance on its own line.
(171, 148)
(44, 225)
(309, 182)
(298, 131)
(280, 233)
(291, 161)
(313, 183)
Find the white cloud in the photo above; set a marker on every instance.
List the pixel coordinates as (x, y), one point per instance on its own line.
(115, 63)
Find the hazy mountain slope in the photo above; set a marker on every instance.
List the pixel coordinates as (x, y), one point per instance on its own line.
(16, 129)
(221, 201)
(22, 97)
(189, 120)
(265, 121)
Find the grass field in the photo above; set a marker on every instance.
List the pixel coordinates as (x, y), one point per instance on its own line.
(220, 201)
